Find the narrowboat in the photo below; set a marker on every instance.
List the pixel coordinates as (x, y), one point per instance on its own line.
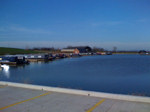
(36, 57)
(8, 60)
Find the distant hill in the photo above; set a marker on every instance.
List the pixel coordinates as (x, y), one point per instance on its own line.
(4, 50)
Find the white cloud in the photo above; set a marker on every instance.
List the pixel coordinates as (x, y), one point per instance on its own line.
(57, 44)
(142, 20)
(113, 23)
(3, 29)
(108, 23)
(19, 29)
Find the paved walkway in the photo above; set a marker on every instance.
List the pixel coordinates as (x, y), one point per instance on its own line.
(14, 99)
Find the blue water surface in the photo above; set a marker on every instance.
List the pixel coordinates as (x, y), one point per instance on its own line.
(123, 74)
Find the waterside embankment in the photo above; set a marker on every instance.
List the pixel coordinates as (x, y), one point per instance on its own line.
(32, 98)
(79, 92)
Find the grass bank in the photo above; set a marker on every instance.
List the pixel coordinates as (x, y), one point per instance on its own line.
(12, 51)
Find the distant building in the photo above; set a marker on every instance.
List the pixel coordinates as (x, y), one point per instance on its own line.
(77, 49)
(67, 50)
(143, 52)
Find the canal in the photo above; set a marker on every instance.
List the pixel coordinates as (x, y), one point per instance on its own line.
(123, 74)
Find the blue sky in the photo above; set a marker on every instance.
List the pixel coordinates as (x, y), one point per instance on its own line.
(59, 23)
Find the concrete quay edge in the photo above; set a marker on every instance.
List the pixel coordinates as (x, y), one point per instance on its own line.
(141, 99)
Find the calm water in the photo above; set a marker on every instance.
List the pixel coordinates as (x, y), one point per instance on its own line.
(125, 74)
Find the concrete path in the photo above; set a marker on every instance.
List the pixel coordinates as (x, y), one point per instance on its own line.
(16, 99)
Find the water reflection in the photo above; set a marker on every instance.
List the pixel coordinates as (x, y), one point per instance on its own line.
(5, 69)
(18, 66)
(0, 69)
